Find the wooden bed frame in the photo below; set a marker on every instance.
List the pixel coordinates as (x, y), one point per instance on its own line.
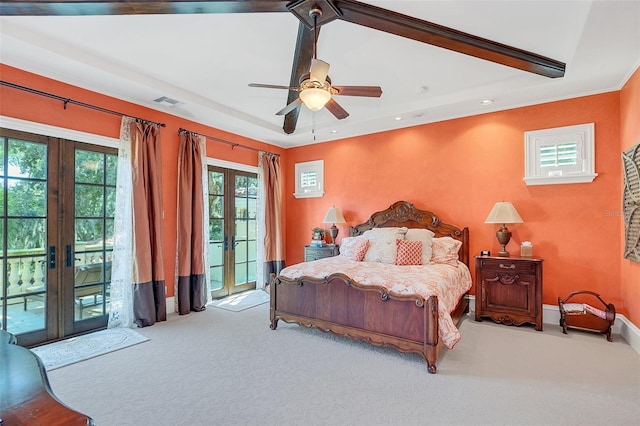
(344, 307)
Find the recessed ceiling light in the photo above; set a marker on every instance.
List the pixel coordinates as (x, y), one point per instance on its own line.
(397, 118)
(486, 102)
(334, 131)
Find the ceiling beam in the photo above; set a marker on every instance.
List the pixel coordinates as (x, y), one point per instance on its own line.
(447, 38)
(128, 7)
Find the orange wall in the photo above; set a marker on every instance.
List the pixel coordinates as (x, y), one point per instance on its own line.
(460, 168)
(630, 135)
(19, 104)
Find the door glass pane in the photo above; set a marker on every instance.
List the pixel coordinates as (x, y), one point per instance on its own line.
(216, 229)
(93, 242)
(23, 224)
(241, 273)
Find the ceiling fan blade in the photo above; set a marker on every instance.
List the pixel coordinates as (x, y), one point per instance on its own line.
(319, 70)
(272, 86)
(368, 91)
(335, 109)
(301, 64)
(448, 38)
(293, 105)
(109, 7)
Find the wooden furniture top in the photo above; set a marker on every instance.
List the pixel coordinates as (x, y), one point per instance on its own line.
(27, 398)
(403, 213)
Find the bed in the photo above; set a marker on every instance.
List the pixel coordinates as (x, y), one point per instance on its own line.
(377, 313)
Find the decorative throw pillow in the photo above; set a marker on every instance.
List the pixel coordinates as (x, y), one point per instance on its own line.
(354, 248)
(382, 244)
(408, 252)
(424, 235)
(445, 250)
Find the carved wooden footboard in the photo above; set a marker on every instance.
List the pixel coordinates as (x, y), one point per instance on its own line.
(344, 307)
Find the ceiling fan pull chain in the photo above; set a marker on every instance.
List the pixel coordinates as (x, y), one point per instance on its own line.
(313, 126)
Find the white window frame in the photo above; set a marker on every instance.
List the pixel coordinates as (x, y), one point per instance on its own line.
(317, 190)
(584, 172)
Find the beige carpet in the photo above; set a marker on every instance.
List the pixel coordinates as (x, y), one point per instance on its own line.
(222, 368)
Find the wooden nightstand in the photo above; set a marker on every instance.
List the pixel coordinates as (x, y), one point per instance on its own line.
(315, 253)
(509, 290)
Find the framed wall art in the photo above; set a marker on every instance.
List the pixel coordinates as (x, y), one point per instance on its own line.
(631, 202)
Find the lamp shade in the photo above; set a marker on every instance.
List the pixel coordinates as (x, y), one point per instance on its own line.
(315, 98)
(503, 212)
(333, 216)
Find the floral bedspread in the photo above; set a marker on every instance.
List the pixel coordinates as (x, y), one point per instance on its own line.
(446, 282)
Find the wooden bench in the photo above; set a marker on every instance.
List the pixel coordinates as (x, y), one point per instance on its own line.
(27, 398)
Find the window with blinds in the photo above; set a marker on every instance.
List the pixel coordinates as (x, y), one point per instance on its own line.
(560, 155)
(631, 202)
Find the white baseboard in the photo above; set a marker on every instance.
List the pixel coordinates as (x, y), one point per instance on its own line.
(622, 326)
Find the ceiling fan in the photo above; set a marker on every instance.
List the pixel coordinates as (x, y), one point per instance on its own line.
(347, 10)
(315, 90)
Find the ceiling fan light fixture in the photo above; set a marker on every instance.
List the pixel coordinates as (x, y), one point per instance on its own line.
(315, 98)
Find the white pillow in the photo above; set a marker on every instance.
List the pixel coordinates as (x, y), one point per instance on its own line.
(382, 244)
(424, 235)
(445, 250)
(354, 248)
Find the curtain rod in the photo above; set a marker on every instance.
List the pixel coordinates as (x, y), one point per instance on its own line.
(233, 144)
(71, 101)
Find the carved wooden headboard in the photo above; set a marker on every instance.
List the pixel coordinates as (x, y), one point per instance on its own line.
(402, 213)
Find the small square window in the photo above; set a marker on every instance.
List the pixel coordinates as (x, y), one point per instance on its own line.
(560, 155)
(309, 179)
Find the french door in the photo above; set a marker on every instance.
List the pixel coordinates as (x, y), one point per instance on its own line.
(57, 203)
(232, 230)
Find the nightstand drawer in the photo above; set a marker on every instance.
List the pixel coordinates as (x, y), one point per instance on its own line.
(315, 253)
(507, 265)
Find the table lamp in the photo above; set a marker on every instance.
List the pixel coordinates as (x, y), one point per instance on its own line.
(333, 216)
(503, 212)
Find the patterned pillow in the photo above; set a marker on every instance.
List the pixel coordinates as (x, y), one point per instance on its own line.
(425, 236)
(408, 252)
(382, 244)
(445, 250)
(354, 248)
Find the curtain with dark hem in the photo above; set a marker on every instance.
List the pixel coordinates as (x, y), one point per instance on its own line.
(270, 175)
(149, 295)
(191, 284)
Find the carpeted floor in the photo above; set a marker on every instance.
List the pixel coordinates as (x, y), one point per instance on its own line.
(226, 368)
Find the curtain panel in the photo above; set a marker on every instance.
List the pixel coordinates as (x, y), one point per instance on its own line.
(191, 281)
(149, 296)
(137, 283)
(271, 214)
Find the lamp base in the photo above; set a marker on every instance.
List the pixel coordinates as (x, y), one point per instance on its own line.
(504, 236)
(503, 253)
(333, 231)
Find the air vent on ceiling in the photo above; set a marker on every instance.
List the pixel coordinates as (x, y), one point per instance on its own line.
(163, 100)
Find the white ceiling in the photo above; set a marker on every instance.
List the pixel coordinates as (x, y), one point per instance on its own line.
(206, 61)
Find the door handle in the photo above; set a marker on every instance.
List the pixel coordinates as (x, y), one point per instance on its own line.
(226, 243)
(233, 242)
(52, 257)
